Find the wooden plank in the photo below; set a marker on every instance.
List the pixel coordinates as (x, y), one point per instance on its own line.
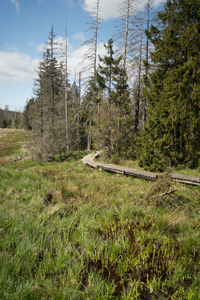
(188, 178)
(89, 161)
(111, 169)
(187, 182)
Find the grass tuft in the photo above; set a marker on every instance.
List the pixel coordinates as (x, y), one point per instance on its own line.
(71, 232)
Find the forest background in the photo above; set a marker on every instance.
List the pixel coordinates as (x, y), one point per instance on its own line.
(140, 99)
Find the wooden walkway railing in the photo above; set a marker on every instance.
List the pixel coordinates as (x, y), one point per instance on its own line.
(89, 161)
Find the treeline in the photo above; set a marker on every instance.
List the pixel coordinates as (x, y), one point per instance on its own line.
(137, 102)
(10, 118)
(54, 114)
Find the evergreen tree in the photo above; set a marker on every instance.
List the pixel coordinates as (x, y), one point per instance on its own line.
(48, 125)
(89, 110)
(114, 92)
(172, 133)
(28, 114)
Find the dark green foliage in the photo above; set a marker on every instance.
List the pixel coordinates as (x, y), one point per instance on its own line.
(10, 119)
(28, 114)
(114, 118)
(172, 133)
(6, 123)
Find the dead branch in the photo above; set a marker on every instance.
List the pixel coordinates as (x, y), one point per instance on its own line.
(166, 193)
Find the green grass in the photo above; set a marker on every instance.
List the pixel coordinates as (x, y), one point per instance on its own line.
(11, 142)
(187, 171)
(119, 161)
(71, 232)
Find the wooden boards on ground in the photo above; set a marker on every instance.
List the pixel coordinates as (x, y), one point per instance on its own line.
(89, 161)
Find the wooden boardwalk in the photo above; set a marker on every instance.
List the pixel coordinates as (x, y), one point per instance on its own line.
(89, 161)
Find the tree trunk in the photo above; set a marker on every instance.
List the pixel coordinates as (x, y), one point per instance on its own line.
(126, 33)
(66, 94)
(138, 95)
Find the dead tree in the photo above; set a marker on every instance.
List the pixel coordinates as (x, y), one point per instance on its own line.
(92, 62)
(125, 31)
(138, 99)
(149, 16)
(66, 93)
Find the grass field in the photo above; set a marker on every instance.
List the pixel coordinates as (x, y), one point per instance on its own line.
(11, 144)
(71, 232)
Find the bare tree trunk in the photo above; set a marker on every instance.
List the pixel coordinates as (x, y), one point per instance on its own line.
(41, 106)
(41, 116)
(147, 59)
(126, 33)
(96, 36)
(89, 142)
(66, 93)
(138, 95)
(89, 139)
(79, 105)
(147, 39)
(99, 117)
(52, 75)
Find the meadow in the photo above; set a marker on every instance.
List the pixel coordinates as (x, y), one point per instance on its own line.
(71, 232)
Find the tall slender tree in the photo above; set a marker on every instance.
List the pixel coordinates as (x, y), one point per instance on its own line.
(126, 32)
(149, 19)
(91, 56)
(66, 91)
(112, 82)
(47, 129)
(139, 108)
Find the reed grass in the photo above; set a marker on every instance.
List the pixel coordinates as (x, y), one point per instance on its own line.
(71, 232)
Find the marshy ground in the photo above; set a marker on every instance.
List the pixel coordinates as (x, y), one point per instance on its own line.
(70, 232)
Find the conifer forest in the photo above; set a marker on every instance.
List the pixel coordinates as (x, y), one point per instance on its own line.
(140, 100)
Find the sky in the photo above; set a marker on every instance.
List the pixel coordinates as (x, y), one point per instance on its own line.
(25, 26)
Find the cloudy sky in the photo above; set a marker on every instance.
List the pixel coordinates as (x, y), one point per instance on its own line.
(25, 25)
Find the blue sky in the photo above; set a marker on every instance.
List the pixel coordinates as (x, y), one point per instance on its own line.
(25, 25)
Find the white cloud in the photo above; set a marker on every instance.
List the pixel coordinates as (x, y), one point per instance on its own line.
(157, 2)
(108, 9)
(79, 36)
(59, 45)
(76, 57)
(16, 67)
(16, 3)
(78, 61)
(111, 8)
(41, 47)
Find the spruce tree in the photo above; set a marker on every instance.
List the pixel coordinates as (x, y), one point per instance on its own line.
(114, 91)
(28, 114)
(172, 133)
(48, 125)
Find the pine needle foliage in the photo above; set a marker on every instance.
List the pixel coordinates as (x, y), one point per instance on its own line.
(172, 133)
